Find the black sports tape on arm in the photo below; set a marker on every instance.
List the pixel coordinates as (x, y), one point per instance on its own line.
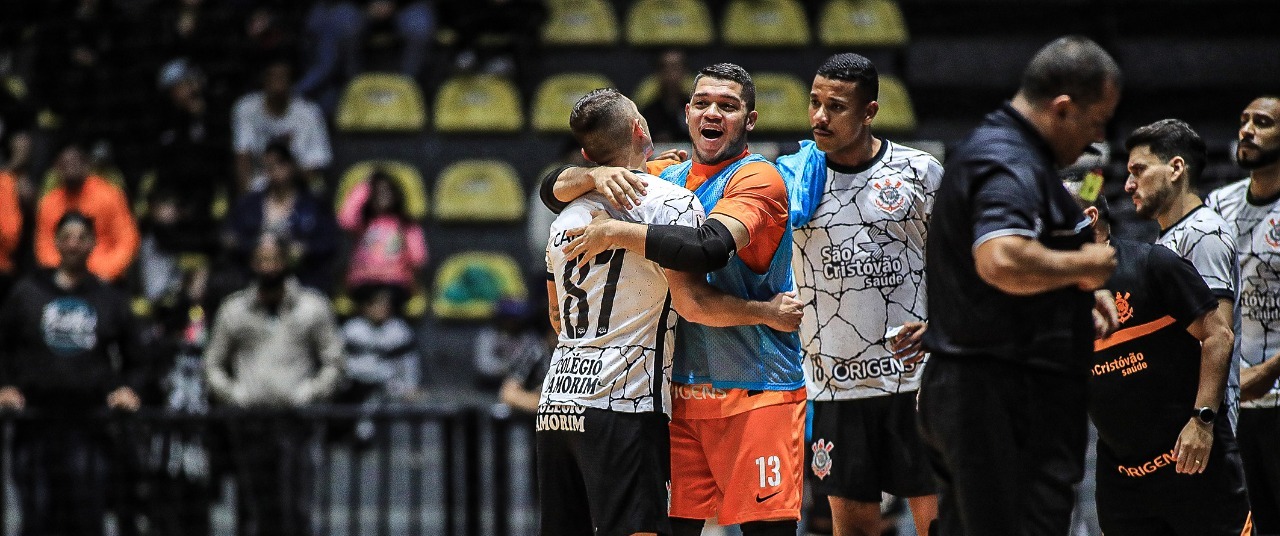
(547, 190)
(690, 249)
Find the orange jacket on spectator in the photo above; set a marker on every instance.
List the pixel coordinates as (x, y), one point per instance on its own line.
(112, 222)
(10, 221)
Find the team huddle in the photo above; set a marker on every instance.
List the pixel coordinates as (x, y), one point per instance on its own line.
(707, 302)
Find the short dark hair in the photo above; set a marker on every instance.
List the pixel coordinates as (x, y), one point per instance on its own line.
(599, 123)
(1074, 66)
(70, 217)
(281, 149)
(731, 72)
(854, 68)
(1168, 138)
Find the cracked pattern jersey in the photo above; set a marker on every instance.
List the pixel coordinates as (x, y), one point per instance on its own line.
(859, 265)
(616, 323)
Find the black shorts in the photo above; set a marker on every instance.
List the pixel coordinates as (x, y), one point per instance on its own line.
(603, 473)
(860, 448)
(1213, 503)
(1259, 433)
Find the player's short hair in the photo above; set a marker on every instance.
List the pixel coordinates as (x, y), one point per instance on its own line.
(1099, 202)
(731, 72)
(600, 122)
(1168, 138)
(1074, 66)
(855, 68)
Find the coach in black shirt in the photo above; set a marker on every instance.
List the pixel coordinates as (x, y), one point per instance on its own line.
(1011, 272)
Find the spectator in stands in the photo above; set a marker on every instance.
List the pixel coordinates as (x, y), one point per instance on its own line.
(341, 34)
(286, 208)
(522, 388)
(383, 364)
(104, 203)
(390, 247)
(17, 192)
(275, 345)
(10, 230)
(190, 168)
(272, 115)
(666, 113)
(60, 332)
(204, 33)
(500, 344)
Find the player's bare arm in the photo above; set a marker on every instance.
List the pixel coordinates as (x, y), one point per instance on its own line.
(676, 247)
(619, 185)
(1022, 266)
(908, 343)
(553, 306)
(699, 302)
(1257, 380)
(1213, 330)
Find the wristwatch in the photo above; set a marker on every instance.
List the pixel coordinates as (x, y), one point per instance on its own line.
(1205, 414)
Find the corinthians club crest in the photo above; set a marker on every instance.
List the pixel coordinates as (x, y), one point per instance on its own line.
(1273, 235)
(888, 194)
(822, 458)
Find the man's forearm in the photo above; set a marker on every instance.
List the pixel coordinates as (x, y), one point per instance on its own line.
(1255, 381)
(699, 302)
(1215, 362)
(562, 185)
(1023, 267)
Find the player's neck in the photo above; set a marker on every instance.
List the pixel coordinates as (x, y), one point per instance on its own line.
(1179, 207)
(1264, 183)
(858, 154)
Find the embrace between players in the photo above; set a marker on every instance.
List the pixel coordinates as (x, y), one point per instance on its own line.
(678, 390)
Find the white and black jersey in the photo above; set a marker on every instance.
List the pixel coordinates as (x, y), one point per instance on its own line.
(616, 325)
(1208, 241)
(1257, 238)
(859, 268)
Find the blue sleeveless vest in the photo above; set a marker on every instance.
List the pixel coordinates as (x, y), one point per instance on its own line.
(743, 357)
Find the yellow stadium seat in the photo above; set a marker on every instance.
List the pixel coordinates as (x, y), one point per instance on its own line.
(580, 23)
(647, 90)
(407, 176)
(852, 23)
(381, 102)
(478, 103)
(765, 23)
(669, 23)
(896, 112)
(110, 174)
(782, 101)
(479, 191)
(555, 98)
(470, 284)
(413, 309)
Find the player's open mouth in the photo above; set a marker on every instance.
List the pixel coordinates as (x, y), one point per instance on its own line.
(821, 132)
(711, 133)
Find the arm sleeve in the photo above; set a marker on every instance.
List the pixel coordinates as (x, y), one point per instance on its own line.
(242, 126)
(216, 356)
(10, 218)
(416, 246)
(757, 198)
(46, 219)
(547, 190)
(352, 206)
(689, 249)
(1003, 206)
(1214, 255)
(117, 253)
(314, 148)
(327, 343)
(1185, 293)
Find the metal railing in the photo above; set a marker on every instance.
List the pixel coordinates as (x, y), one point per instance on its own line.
(326, 470)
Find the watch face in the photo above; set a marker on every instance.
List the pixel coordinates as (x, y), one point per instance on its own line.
(1205, 414)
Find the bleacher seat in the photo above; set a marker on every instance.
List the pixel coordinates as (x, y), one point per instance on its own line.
(407, 176)
(765, 23)
(896, 112)
(783, 103)
(554, 99)
(381, 102)
(110, 174)
(478, 103)
(469, 285)
(647, 90)
(479, 191)
(858, 23)
(669, 23)
(580, 23)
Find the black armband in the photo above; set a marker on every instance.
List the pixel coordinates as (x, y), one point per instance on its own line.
(690, 249)
(547, 190)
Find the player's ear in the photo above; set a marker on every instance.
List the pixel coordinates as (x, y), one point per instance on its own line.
(873, 108)
(1179, 166)
(751, 120)
(1061, 106)
(586, 156)
(1092, 214)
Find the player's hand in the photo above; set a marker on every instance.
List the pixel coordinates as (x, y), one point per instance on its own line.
(619, 185)
(785, 312)
(1105, 318)
(1098, 263)
(1193, 446)
(11, 398)
(679, 155)
(907, 343)
(591, 240)
(123, 399)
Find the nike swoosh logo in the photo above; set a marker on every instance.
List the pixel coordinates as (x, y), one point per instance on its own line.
(760, 499)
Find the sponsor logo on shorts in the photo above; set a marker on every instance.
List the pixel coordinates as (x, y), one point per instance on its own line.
(888, 197)
(822, 458)
(699, 392)
(1165, 459)
(1124, 310)
(760, 499)
(560, 418)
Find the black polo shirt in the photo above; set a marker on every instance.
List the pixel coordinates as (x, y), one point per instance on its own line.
(1002, 181)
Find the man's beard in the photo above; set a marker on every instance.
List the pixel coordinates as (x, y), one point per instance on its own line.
(1265, 158)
